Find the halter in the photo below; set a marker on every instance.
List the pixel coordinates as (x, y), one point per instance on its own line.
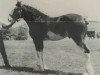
(18, 5)
(20, 15)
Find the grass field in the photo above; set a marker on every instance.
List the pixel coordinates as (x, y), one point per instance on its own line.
(61, 57)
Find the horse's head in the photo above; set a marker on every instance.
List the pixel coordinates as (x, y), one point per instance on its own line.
(15, 14)
(26, 12)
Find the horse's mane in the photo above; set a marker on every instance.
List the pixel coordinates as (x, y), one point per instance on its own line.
(33, 10)
(38, 13)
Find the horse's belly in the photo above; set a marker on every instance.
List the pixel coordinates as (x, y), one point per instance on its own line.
(53, 36)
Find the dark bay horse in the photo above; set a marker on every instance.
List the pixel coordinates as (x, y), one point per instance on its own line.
(43, 27)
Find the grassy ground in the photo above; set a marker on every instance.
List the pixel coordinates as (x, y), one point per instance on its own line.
(61, 57)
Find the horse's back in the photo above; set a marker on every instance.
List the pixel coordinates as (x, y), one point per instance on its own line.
(74, 17)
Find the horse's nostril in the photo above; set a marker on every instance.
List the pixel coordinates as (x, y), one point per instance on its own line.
(9, 20)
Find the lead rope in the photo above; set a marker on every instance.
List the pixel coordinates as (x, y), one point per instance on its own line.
(8, 28)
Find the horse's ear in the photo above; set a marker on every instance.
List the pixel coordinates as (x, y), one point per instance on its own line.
(18, 3)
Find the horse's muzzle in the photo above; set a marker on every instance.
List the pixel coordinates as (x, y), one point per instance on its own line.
(10, 19)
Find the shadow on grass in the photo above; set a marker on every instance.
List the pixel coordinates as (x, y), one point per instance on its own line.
(31, 70)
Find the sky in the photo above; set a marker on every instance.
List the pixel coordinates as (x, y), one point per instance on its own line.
(89, 9)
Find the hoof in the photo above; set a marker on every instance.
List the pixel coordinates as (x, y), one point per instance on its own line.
(7, 66)
(40, 68)
(45, 67)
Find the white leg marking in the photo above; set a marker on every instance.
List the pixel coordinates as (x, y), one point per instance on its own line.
(89, 67)
(40, 61)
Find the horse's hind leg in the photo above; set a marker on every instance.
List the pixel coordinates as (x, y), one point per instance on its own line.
(80, 42)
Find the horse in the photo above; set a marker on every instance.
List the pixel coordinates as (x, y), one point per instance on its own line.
(43, 27)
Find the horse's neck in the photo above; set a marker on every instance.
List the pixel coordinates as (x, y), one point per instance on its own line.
(35, 13)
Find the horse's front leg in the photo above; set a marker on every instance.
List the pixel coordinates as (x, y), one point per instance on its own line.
(39, 49)
(40, 60)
